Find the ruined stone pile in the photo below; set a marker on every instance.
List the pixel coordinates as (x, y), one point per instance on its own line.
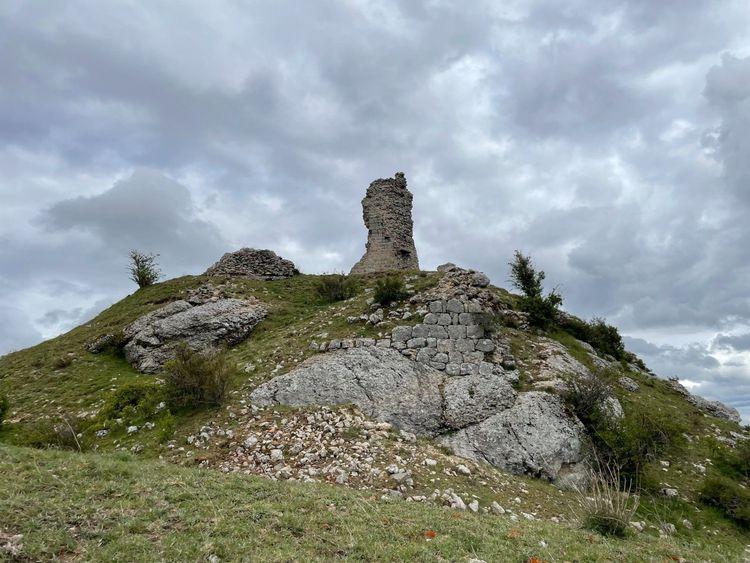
(254, 264)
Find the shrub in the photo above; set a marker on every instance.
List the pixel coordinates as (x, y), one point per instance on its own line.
(604, 338)
(143, 268)
(586, 396)
(389, 290)
(335, 287)
(729, 497)
(65, 434)
(197, 379)
(637, 439)
(133, 402)
(4, 406)
(542, 310)
(608, 505)
(61, 362)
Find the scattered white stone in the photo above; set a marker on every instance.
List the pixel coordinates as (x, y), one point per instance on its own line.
(132, 429)
(474, 505)
(496, 508)
(461, 468)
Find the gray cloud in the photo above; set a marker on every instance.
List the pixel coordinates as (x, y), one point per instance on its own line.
(737, 342)
(596, 136)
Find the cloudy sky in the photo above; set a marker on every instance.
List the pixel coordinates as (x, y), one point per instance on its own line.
(608, 139)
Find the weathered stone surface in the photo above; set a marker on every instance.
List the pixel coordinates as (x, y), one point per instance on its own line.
(628, 384)
(474, 398)
(381, 382)
(254, 264)
(534, 436)
(386, 210)
(152, 339)
(713, 408)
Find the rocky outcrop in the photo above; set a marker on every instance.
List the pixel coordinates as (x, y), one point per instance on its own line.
(713, 408)
(254, 264)
(417, 398)
(386, 210)
(153, 338)
(534, 437)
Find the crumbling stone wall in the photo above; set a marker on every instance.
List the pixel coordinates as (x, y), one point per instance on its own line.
(254, 264)
(386, 210)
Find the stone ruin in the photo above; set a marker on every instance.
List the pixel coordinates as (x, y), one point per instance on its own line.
(386, 210)
(254, 264)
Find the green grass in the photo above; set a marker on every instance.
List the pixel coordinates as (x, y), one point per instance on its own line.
(116, 508)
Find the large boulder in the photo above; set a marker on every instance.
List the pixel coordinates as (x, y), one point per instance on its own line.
(254, 264)
(534, 437)
(152, 339)
(380, 381)
(478, 416)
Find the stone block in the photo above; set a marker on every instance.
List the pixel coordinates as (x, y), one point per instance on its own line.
(469, 369)
(398, 345)
(453, 369)
(437, 331)
(425, 355)
(437, 306)
(464, 345)
(383, 343)
(456, 331)
(485, 345)
(401, 333)
(431, 342)
(437, 365)
(421, 331)
(445, 345)
(441, 357)
(456, 357)
(430, 319)
(473, 307)
(416, 343)
(444, 319)
(474, 357)
(466, 319)
(454, 306)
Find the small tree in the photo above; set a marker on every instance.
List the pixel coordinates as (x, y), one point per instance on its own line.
(542, 310)
(194, 379)
(335, 287)
(144, 269)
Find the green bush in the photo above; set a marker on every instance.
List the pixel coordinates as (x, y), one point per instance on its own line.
(585, 396)
(637, 439)
(134, 402)
(197, 379)
(4, 406)
(729, 497)
(65, 434)
(61, 362)
(542, 310)
(389, 290)
(143, 268)
(335, 287)
(604, 338)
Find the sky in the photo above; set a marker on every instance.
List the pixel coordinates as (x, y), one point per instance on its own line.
(610, 140)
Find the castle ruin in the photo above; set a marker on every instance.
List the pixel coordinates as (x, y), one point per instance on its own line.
(386, 210)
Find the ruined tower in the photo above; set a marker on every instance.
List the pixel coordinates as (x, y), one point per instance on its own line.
(386, 210)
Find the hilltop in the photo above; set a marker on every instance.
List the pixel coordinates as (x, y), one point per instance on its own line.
(257, 412)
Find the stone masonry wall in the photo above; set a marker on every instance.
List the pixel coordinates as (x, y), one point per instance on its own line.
(386, 210)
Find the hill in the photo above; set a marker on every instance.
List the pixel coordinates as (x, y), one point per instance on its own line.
(61, 501)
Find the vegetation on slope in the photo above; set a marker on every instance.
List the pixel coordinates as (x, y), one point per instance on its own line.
(118, 508)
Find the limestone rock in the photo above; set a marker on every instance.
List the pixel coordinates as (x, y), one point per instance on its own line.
(153, 338)
(380, 381)
(386, 210)
(713, 408)
(474, 398)
(534, 437)
(528, 433)
(254, 264)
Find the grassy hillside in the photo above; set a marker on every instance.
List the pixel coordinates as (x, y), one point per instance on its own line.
(118, 508)
(125, 502)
